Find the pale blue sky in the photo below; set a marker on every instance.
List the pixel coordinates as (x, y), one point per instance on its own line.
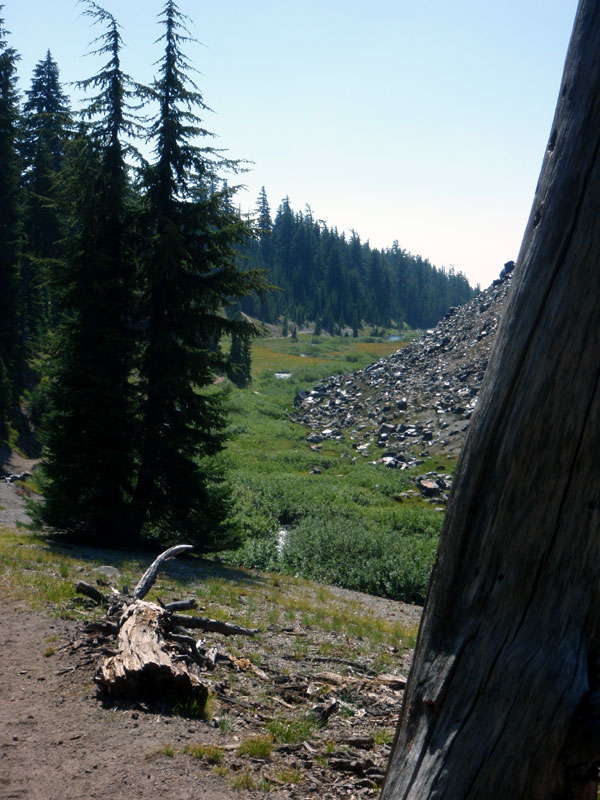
(423, 121)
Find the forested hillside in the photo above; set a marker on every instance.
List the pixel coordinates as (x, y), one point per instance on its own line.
(336, 281)
(123, 264)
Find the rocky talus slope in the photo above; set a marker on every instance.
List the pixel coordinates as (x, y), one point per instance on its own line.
(416, 403)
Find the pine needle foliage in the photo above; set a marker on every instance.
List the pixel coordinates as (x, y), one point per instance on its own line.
(89, 429)
(189, 276)
(10, 229)
(46, 128)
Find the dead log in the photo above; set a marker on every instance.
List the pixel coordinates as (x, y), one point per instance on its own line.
(155, 657)
(144, 666)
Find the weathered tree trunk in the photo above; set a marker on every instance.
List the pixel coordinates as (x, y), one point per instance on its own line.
(501, 700)
(144, 667)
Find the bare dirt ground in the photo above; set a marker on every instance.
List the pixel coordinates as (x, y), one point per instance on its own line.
(59, 740)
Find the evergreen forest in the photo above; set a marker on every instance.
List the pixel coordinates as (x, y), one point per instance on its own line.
(338, 282)
(125, 264)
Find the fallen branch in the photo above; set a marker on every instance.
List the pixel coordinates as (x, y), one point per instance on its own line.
(90, 591)
(214, 625)
(181, 605)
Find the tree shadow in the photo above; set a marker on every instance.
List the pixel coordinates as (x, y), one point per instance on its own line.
(185, 568)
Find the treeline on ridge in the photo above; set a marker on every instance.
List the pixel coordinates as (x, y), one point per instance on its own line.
(338, 281)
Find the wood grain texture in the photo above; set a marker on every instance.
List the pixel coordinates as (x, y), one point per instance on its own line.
(144, 667)
(502, 664)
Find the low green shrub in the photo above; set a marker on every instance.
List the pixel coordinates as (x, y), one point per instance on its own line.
(349, 553)
(257, 553)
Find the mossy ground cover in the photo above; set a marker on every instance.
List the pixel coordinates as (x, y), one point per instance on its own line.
(345, 521)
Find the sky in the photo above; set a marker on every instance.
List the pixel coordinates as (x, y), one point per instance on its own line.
(417, 121)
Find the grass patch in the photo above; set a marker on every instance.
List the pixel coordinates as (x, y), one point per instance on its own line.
(166, 750)
(289, 775)
(225, 724)
(194, 708)
(212, 753)
(244, 780)
(292, 731)
(383, 736)
(256, 746)
(31, 571)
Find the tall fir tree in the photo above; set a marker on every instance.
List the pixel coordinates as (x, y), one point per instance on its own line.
(11, 358)
(190, 274)
(240, 361)
(90, 427)
(45, 130)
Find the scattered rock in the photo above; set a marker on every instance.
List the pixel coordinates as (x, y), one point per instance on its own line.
(422, 395)
(110, 573)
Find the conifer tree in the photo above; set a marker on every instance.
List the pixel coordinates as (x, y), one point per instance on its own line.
(10, 351)
(45, 130)
(265, 229)
(240, 361)
(89, 430)
(190, 274)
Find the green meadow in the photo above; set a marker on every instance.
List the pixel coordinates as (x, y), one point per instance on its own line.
(343, 517)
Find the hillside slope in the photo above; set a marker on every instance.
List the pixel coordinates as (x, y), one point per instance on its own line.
(417, 402)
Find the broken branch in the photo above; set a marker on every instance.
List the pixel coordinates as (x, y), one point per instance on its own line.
(147, 580)
(214, 625)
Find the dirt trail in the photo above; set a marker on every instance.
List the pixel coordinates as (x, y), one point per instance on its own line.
(57, 742)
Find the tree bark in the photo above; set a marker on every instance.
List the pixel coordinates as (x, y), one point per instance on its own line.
(144, 667)
(501, 697)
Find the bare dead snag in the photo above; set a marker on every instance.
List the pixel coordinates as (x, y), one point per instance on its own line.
(505, 654)
(147, 580)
